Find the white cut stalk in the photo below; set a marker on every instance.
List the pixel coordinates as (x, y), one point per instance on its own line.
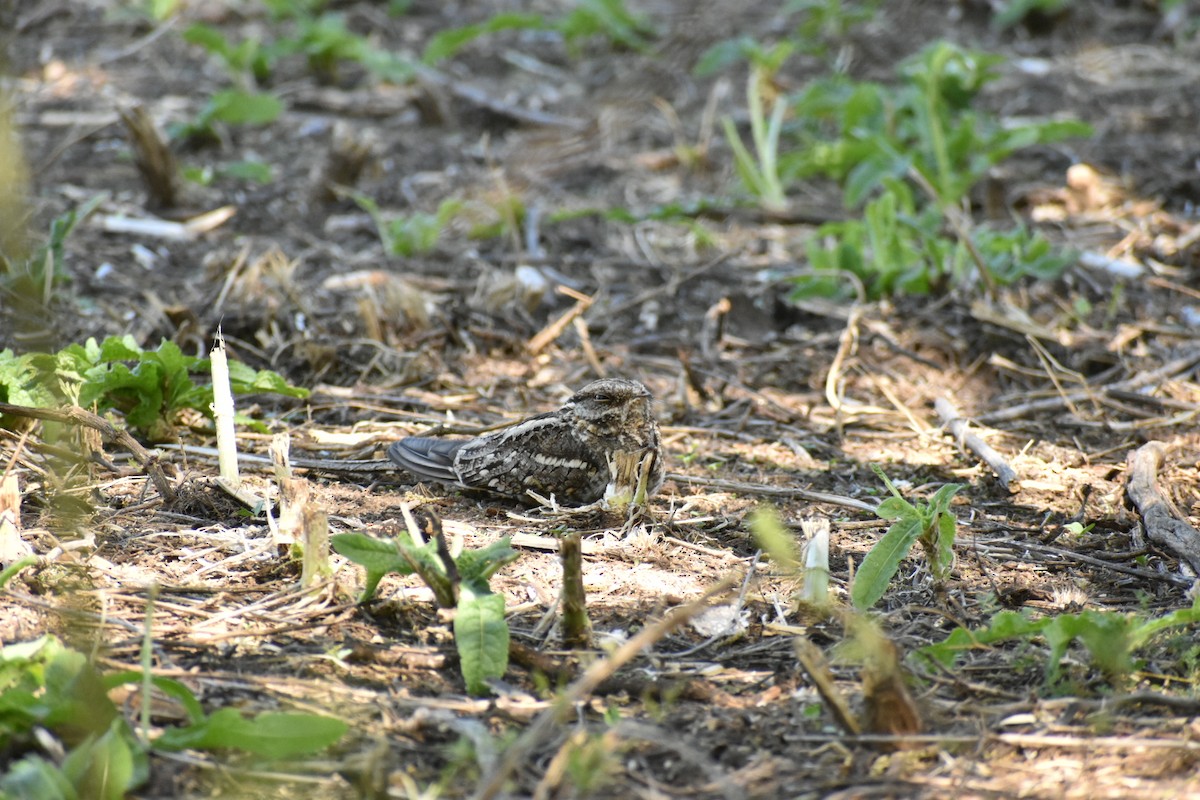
(223, 413)
(816, 561)
(12, 547)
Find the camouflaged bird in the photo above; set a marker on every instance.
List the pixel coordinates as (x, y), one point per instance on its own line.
(595, 447)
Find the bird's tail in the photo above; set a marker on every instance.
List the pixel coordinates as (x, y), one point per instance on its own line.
(426, 457)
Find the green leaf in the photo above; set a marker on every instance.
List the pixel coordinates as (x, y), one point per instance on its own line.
(607, 18)
(254, 171)
(35, 778)
(108, 766)
(893, 508)
(448, 42)
(377, 556)
(207, 37)
(872, 578)
(168, 686)
(481, 637)
(11, 570)
(272, 735)
(724, 55)
(238, 107)
(1004, 625)
(476, 567)
(114, 348)
(22, 383)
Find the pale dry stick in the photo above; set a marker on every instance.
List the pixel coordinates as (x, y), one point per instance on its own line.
(763, 490)
(13, 548)
(958, 428)
(990, 548)
(1163, 522)
(919, 426)
(846, 343)
(1049, 365)
(555, 329)
(1014, 739)
(589, 352)
(597, 673)
(1166, 371)
(267, 546)
(1141, 424)
(323, 464)
(293, 494)
(78, 416)
(231, 275)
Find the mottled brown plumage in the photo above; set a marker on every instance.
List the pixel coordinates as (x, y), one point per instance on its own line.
(590, 448)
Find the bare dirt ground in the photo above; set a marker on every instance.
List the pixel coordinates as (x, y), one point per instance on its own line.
(758, 396)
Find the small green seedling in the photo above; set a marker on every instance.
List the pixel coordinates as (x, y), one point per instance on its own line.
(458, 581)
(930, 523)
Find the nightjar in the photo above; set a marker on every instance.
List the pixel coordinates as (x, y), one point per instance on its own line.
(594, 447)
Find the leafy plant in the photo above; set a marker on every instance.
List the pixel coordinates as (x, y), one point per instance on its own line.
(413, 234)
(22, 383)
(880, 143)
(150, 387)
(34, 278)
(247, 62)
(608, 19)
(325, 41)
(760, 171)
(826, 21)
(48, 690)
(930, 523)
(445, 44)
(862, 132)
(231, 107)
(458, 581)
(253, 171)
(1111, 638)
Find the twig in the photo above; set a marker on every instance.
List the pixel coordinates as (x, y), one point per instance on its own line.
(957, 426)
(1166, 371)
(596, 674)
(75, 415)
(1144, 574)
(764, 490)
(1163, 523)
(552, 331)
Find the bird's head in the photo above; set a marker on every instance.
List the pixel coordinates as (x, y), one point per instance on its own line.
(614, 406)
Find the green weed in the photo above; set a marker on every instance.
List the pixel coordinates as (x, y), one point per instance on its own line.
(1112, 639)
(51, 692)
(412, 234)
(930, 523)
(480, 630)
(149, 387)
(34, 278)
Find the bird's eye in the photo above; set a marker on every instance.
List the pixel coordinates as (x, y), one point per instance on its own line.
(602, 399)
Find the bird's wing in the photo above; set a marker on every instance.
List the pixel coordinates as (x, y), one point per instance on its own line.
(427, 458)
(541, 453)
